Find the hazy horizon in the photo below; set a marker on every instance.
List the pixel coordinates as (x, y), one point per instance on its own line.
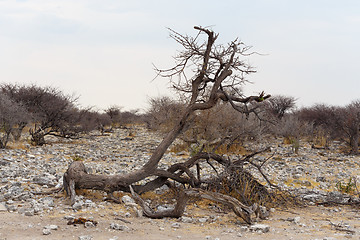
(104, 51)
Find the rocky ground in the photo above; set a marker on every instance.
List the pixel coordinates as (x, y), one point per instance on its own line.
(314, 175)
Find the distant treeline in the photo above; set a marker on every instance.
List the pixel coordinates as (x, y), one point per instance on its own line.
(48, 111)
(276, 117)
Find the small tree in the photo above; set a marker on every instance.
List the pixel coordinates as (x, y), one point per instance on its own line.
(12, 115)
(278, 105)
(11, 91)
(50, 109)
(348, 121)
(163, 113)
(323, 119)
(339, 122)
(114, 113)
(130, 117)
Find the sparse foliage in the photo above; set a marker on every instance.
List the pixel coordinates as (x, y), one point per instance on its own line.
(346, 187)
(130, 117)
(12, 117)
(50, 109)
(163, 113)
(89, 120)
(278, 105)
(348, 122)
(340, 122)
(114, 113)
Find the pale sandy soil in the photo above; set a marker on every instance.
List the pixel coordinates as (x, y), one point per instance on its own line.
(314, 223)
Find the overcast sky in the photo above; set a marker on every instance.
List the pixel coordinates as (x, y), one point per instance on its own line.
(103, 51)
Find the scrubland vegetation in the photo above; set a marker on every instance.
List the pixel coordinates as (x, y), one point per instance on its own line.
(41, 111)
(211, 119)
(46, 111)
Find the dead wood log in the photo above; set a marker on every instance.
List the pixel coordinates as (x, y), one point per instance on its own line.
(176, 212)
(76, 177)
(181, 168)
(238, 208)
(241, 210)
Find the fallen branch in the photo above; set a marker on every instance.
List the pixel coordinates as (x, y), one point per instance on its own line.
(238, 208)
(174, 213)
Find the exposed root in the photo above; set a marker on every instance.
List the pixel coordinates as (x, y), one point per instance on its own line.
(174, 213)
(238, 208)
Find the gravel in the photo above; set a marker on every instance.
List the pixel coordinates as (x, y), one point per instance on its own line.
(313, 174)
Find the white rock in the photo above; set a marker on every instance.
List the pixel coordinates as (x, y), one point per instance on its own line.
(260, 228)
(46, 231)
(127, 200)
(51, 227)
(297, 219)
(186, 219)
(85, 237)
(119, 227)
(29, 212)
(69, 218)
(175, 225)
(202, 220)
(89, 224)
(3, 208)
(77, 205)
(244, 228)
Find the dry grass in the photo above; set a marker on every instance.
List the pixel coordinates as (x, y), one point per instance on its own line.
(91, 194)
(242, 186)
(21, 145)
(179, 147)
(234, 148)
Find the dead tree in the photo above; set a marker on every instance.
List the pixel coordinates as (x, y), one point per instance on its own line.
(219, 73)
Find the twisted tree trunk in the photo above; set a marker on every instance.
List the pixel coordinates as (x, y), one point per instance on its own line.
(214, 65)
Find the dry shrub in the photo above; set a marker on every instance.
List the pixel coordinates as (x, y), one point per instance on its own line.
(91, 194)
(287, 140)
(291, 126)
(320, 138)
(234, 148)
(210, 126)
(224, 148)
(163, 113)
(179, 147)
(223, 122)
(241, 185)
(277, 106)
(23, 145)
